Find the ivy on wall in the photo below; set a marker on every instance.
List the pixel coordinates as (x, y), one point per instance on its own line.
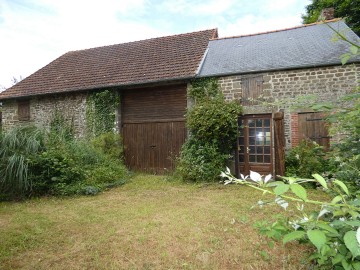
(212, 122)
(101, 112)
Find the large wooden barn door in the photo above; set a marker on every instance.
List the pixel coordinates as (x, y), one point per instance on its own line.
(153, 127)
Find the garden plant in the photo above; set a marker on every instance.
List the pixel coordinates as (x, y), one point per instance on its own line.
(333, 230)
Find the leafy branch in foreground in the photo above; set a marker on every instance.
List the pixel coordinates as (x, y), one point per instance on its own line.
(334, 230)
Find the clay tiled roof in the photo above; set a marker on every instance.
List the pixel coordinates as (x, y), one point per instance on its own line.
(134, 63)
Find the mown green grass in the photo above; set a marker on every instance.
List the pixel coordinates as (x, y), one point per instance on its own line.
(149, 223)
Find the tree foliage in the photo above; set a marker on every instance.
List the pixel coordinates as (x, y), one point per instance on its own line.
(349, 9)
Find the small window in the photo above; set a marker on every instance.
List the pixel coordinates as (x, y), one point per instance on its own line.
(252, 89)
(313, 126)
(24, 110)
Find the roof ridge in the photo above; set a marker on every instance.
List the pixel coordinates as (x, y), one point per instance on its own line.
(280, 30)
(215, 30)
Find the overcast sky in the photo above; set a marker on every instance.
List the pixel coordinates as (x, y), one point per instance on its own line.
(35, 32)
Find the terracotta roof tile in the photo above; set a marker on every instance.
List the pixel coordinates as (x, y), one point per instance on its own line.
(139, 62)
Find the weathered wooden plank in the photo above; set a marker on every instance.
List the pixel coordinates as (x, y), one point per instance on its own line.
(149, 104)
(313, 126)
(279, 141)
(153, 127)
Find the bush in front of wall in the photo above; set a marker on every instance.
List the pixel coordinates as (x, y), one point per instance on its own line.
(35, 163)
(212, 123)
(200, 161)
(110, 144)
(215, 121)
(306, 159)
(52, 171)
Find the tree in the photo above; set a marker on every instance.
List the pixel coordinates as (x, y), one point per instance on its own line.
(348, 9)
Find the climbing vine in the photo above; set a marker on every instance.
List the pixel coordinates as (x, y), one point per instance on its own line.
(100, 111)
(212, 122)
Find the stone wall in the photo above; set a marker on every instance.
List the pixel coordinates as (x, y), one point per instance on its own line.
(42, 110)
(281, 87)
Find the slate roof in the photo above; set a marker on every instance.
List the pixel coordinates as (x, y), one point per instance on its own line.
(134, 63)
(299, 47)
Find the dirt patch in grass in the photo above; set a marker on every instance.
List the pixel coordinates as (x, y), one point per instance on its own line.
(149, 223)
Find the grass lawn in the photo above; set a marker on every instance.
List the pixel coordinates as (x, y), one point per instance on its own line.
(149, 223)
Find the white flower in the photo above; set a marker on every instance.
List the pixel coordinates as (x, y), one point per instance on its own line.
(256, 177)
(305, 219)
(223, 174)
(323, 212)
(267, 178)
(281, 202)
(243, 177)
(294, 225)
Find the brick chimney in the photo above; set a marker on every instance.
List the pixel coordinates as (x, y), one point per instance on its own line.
(327, 14)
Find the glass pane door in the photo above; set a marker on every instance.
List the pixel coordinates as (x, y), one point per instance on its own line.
(255, 142)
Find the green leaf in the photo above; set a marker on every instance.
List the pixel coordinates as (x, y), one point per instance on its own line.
(344, 58)
(274, 184)
(295, 235)
(291, 180)
(337, 259)
(327, 227)
(342, 185)
(281, 189)
(353, 223)
(352, 243)
(353, 214)
(338, 213)
(336, 199)
(325, 250)
(317, 238)
(346, 264)
(356, 265)
(299, 191)
(354, 49)
(320, 180)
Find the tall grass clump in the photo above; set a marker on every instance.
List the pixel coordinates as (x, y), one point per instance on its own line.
(16, 148)
(35, 162)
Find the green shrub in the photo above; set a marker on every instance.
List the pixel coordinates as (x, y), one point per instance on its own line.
(215, 120)
(107, 172)
(35, 163)
(306, 159)
(212, 123)
(345, 158)
(52, 171)
(60, 128)
(110, 144)
(200, 161)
